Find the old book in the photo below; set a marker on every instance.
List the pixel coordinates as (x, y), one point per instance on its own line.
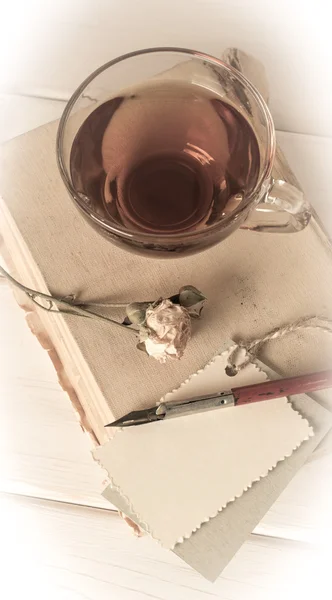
(253, 282)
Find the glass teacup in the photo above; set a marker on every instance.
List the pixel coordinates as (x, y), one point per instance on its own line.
(167, 151)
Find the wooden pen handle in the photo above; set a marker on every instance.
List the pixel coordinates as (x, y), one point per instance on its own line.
(282, 387)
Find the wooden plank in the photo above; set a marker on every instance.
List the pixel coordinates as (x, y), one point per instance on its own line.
(94, 32)
(43, 450)
(74, 552)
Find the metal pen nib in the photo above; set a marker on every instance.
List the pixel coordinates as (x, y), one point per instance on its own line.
(138, 417)
(178, 408)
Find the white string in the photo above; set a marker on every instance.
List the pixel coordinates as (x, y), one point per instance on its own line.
(238, 359)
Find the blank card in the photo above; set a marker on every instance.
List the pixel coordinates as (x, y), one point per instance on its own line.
(179, 473)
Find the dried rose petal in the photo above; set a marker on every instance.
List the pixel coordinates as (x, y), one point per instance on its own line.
(169, 328)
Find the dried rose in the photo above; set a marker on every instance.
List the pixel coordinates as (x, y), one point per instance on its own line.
(169, 329)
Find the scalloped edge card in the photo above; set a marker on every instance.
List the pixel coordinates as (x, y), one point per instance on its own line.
(178, 474)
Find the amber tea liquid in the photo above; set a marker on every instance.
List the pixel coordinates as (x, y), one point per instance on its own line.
(165, 158)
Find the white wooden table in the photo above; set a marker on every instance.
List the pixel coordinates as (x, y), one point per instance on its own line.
(59, 538)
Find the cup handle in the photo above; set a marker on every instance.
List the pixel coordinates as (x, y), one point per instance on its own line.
(283, 209)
